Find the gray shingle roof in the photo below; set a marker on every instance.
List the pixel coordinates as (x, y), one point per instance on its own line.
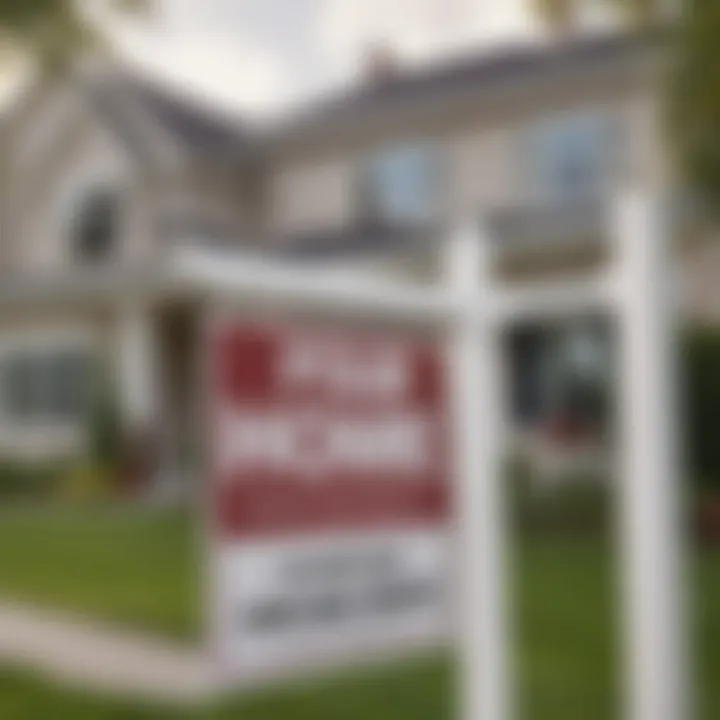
(201, 130)
(475, 73)
(194, 126)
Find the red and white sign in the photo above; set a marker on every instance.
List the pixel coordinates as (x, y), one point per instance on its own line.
(330, 491)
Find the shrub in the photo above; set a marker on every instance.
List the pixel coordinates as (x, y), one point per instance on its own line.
(577, 507)
(23, 480)
(700, 411)
(85, 482)
(105, 427)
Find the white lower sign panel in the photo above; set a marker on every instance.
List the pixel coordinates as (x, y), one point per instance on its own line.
(292, 603)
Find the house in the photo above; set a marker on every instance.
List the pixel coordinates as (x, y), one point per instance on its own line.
(106, 176)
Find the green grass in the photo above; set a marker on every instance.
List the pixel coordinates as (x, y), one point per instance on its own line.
(130, 569)
(419, 690)
(27, 698)
(137, 570)
(566, 635)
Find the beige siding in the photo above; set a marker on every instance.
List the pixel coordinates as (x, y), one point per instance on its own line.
(645, 149)
(482, 170)
(484, 162)
(49, 168)
(312, 195)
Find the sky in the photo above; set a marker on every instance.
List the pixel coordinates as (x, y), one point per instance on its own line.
(256, 59)
(259, 57)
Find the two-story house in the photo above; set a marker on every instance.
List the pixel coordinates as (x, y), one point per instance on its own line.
(105, 176)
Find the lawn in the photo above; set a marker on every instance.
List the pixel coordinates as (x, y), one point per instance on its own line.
(127, 568)
(138, 570)
(416, 691)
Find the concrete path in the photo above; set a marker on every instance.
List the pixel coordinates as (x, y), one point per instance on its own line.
(93, 657)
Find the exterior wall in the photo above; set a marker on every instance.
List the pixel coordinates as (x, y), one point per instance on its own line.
(312, 195)
(699, 287)
(46, 170)
(484, 166)
(489, 165)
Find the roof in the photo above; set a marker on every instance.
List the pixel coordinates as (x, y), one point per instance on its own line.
(354, 239)
(194, 126)
(558, 225)
(131, 101)
(474, 74)
(187, 120)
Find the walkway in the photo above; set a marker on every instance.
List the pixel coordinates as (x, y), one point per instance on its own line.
(100, 659)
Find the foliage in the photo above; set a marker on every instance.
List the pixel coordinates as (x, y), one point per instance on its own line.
(85, 482)
(58, 479)
(53, 32)
(694, 107)
(701, 388)
(692, 103)
(25, 480)
(576, 507)
(561, 14)
(105, 426)
(557, 14)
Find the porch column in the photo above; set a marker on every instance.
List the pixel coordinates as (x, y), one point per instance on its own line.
(137, 368)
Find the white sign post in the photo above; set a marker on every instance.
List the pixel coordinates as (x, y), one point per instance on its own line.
(657, 660)
(639, 292)
(477, 392)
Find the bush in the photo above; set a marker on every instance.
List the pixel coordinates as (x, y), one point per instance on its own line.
(85, 482)
(105, 427)
(22, 480)
(574, 508)
(700, 383)
(93, 474)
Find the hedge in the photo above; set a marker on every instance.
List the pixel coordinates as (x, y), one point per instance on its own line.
(700, 409)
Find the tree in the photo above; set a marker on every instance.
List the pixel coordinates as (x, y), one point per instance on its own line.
(560, 13)
(694, 101)
(53, 32)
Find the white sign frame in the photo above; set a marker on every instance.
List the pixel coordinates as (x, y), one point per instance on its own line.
(637, 289)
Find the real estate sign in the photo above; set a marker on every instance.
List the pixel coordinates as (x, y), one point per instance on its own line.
(329, 492)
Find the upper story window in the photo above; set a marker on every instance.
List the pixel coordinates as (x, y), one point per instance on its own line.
(95, 224)
(568, 158)
(401, 185)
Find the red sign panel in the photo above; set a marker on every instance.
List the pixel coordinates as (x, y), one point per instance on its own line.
(318, 429)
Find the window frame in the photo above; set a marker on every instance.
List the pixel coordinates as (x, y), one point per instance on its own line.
(43, 358)
(77, 220)
(375, 177)
(542, 146)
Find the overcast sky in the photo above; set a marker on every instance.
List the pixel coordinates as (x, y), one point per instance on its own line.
(259, 56)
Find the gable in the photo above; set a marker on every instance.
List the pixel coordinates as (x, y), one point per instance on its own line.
(57, 148)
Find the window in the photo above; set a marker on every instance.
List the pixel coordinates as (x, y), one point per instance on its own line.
(45, 386)
(567, 158)
(400, 185)
(95, 225)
